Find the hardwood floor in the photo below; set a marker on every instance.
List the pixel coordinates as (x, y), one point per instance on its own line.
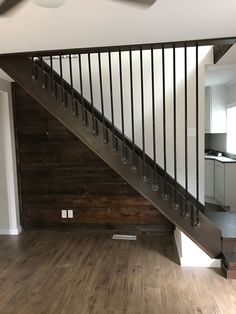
(72, 271)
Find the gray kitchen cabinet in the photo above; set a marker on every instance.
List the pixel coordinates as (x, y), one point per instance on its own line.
(210, 177)
(225, 184)
(220, 182)
(230, 185)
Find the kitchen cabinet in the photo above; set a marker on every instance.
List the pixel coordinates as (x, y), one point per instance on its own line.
(220, 182)
(215, 109)
(230, 185)
(225, 182)
(209, 178)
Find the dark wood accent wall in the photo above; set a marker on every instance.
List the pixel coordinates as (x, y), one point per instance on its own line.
(56, 171)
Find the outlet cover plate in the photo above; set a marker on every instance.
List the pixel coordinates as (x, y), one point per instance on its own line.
(70, 213)
(64, 213)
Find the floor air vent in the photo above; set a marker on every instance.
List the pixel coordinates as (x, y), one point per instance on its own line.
(124, 237)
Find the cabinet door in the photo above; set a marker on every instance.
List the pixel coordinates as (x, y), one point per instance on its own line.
(209, 178)
(207, 109)
(220, 182)
(218, 109)
(230, 184)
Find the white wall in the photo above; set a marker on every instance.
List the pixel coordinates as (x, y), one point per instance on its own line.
(190, 254)
(205, 57)
(9, 205)
(231, 95)
(92, 23)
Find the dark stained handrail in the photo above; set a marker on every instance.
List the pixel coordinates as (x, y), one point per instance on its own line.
(133, 47)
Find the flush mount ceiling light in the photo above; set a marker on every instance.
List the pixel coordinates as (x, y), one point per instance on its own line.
(49, 3)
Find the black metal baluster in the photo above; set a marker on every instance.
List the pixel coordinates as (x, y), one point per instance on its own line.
(52, 80)
(186, 214)
(33, 69)
(94, 121)
(196, 215)
(62, 82)
(165, 195)
(42, 73)
(144, 176)
(155, 185)
(105, 133)
(114, 140)
(84, 112)
(124, 148)
(133, 168)
(175, 204)
(73, 103)
(64, 94)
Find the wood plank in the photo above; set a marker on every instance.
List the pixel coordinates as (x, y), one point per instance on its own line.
(56, 271)
(58, 171)
(220, 50)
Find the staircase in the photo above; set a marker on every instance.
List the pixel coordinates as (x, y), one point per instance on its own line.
(43, 78)
(226, 221)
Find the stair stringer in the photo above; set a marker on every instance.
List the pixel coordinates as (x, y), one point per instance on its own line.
(207, 236)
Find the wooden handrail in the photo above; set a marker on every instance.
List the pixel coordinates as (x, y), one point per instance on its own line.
(133, 47)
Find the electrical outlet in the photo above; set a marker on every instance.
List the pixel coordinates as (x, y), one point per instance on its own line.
(70, 213)
(64, 213)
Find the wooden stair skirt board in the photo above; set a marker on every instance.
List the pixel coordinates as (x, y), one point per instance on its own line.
(207, 235)
(228, 263)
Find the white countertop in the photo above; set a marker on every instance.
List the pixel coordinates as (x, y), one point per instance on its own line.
(221, 159)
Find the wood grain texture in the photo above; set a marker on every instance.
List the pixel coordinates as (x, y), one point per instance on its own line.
(57, 171)
(61, 272)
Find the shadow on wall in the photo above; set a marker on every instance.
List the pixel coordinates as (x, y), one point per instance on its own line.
(8, 5)
(144, 3)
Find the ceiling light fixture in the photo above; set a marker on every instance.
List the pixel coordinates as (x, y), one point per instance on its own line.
(49, 3)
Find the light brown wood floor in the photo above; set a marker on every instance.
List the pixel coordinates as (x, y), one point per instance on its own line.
(83, 272)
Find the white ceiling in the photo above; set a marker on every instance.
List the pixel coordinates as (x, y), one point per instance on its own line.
(87, 23)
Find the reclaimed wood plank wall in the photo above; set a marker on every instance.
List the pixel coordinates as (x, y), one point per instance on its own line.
(57, 171)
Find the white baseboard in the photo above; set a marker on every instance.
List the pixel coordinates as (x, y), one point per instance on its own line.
(11, 231)
(190, 255)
